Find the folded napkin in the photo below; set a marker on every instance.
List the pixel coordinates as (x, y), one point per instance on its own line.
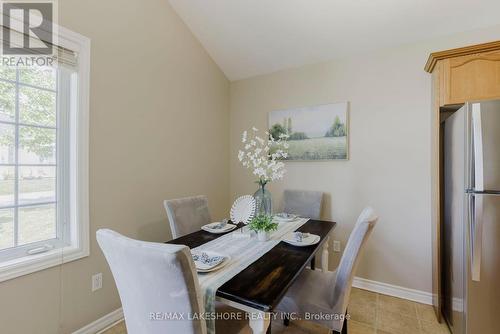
(299, 236)
(218, 226)
(285, 215)
(205, 261)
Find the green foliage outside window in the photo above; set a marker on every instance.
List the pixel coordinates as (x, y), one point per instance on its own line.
(36, 107)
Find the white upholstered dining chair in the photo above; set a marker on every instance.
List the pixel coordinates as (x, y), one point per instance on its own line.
(155, 280)
(303, 203)
(332, 297)
(187, 215)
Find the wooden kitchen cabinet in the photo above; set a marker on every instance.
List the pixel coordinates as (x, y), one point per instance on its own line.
(473, 77)
(460, 75)
(467, 74)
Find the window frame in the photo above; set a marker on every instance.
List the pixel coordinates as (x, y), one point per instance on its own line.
(75, 230)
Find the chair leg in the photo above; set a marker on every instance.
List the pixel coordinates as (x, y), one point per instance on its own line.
(344, 330)
(286, 320)
(313, 263)
(344, 327)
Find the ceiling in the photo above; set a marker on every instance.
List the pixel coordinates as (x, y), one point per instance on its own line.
(252, 37)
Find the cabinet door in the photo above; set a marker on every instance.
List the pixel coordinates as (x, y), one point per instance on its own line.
(472, 77)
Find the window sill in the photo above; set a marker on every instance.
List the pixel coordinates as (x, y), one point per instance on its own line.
(33, 263)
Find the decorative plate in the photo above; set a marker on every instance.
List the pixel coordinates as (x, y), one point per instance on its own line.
(243, 209)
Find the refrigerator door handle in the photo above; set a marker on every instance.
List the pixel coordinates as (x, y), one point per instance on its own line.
(477, 133)
(469, 148)
(476, 235)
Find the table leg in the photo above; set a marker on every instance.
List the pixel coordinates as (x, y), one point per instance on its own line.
(324, 256)
(259, 322)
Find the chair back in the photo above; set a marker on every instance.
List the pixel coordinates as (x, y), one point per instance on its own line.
(303, 203)
(349, 261)
(153, 281)
(187, 215)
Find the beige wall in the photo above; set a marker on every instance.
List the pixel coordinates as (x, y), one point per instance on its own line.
(159, 128)
(389, 165)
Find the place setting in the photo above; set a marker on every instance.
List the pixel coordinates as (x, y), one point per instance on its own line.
(206, 261)
(301, 239)
(284, 217)
(219, 227)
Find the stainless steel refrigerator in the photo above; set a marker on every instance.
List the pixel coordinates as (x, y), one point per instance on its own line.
(471, 227)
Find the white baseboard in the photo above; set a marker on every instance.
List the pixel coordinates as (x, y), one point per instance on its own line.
(103, 323)
(393, 290)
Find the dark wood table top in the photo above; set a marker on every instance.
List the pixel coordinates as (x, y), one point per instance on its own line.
(263, 283)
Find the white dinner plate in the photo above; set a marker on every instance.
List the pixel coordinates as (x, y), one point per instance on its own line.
(227, 228)
(311, 239)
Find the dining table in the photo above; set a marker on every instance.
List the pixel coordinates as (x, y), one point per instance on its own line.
(259, 287)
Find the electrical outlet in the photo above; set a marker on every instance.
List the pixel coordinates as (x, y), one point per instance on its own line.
(96, 282)
(336, 246)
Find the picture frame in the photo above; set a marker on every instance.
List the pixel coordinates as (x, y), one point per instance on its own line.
(315, 133)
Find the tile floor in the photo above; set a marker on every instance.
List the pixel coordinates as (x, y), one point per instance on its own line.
(371, 313)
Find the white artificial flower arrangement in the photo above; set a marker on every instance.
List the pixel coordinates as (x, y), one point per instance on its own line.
(263, 156)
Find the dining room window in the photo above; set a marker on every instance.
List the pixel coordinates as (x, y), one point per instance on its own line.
(33, 170)
(44, 162)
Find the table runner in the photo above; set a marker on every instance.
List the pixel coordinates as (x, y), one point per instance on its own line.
(243, 252)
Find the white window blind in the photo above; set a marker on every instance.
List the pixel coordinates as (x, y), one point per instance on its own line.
(62, 55)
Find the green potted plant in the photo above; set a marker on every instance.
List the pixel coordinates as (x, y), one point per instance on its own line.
(263, 224)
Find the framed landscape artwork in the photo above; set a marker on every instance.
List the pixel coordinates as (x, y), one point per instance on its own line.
(315, 133)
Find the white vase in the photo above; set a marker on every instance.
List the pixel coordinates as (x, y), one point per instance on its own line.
(262, 235)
